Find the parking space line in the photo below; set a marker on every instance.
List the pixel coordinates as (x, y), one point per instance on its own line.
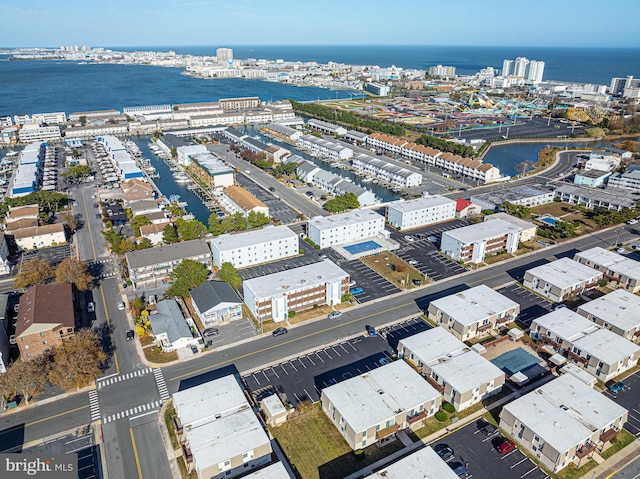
(354, 348)
(318, 356)
(529, 472)
(334, 350)
(256, 379)
(291, 364)
(343, 348)
(283, 369)
(519, 462)
(265, 375)
(309, 358)
(308, 395)
(508, 454)
(328, 355)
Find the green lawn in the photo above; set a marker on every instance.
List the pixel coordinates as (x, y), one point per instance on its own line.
(152, 354)
(317, 450)
(623, 440)
(432, 425)
(571, 472)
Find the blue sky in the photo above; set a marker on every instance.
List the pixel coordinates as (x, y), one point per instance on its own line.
(562, 23)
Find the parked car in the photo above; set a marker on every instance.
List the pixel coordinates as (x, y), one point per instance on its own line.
(433, 239)
(121, 306)
(351, 284)
(391, 266)
(91, 307)
(621, 250)
(334, 315)
(413, 261)
(272, 189)
(408, 238)
(280, 331)
(505, 446)
(488, 429)
(559, 306)
(444, 451)
(210, 332)
(417, 282)
(194, 349)
(460, 469)
(617, 387)
(130, 334)
(371, 331)
(632, 222)
(383, 361)
(356, 291)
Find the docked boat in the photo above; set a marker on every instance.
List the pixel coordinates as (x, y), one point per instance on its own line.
(181, 178)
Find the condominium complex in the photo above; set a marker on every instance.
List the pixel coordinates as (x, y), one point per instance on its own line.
(620, 271)
(561, 278)
(276, 296)
(618, 311)
(28, 174)
(423, 211)
(248, 248)
(123, 164)
(522, 67)
(326, 231)
(385, 171)
(475, 242)
(473, 312)
(324, 148)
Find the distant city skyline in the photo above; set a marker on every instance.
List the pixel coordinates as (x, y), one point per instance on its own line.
(546, 23)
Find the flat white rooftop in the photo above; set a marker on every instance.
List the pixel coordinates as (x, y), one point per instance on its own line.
(564, 273)
(294, 279)
(377, 395)
(268, 234)
(274, 471)
(613, 261)
(422, 464)
(578, 372)
(564, 412)
(482, 231)
(607, 346)
(344, 219)
(420, 204)
(619, 308)
(474, 304)
(432, 344)
(467, 371)
(566, 324)
(525, 225)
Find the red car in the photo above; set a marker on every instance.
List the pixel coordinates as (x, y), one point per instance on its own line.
(506, 446)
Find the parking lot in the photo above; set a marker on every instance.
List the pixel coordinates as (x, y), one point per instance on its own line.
(429, 261)
(278, 209)
(630, 400)
(53, 254)
(432, 230)
(303, 378)
(472, 447)
(373, 285)
(395, 333)
(532, 306)
(278, 266)
(231, 333)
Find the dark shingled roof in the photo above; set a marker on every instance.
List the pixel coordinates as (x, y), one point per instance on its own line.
(212, 293)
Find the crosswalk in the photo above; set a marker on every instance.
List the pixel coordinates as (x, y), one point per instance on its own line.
(162, 386)
(122, 377)
(94, 405)
(145, 408)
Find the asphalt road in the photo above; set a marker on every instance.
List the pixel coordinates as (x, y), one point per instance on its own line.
(630, 471)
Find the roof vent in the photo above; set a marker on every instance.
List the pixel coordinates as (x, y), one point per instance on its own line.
(380, 391)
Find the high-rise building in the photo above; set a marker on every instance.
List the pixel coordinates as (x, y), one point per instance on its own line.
(628, 87)
(224, 54)
(522, 67)
(442, 71)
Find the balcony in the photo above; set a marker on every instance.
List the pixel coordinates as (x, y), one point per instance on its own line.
(186, 452)
(484, 327)
(586, 450)
(417, 417)
(609, 434)
(577, 358)
(551, 342)
(433, 382)
(504, 320)
(387, 431)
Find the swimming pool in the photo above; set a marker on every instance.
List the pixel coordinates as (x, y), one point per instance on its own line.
(515, 361)
(362, 247)
(550, 221)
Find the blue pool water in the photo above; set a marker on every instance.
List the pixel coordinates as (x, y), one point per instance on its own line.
(550, 221)
(515, 361)
(361, 247)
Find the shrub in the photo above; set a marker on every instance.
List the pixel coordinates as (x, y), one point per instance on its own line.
(441, 416)
(449, 407)
(359, 454)
(292, 314)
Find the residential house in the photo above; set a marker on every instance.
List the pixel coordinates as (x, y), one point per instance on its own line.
(236, 199)
(561, 278)
(562, 422)
(523, 195)
(467, 209)
(219, 433)
(153, 232)
(143, 207)
(136, 190)
(461, 375)
(372, 407)
(170, 329)
(473, 312)
(46, 319)
(216, 303)
(37, 237)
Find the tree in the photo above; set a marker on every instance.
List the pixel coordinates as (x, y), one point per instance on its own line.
(7, 389)
(137, 305)
(229, 274)
(74, 271)
(629, 145)
(78, 363)
(76, 172)
(127, 245)
(340, 203)
(144, 243)
(189, 230)
(114, 239)
(257, 219)
(169, 234)
(71, 221)
(138, 221)
(187, 275)
(518, 211)
(30, 377)
(33, 272)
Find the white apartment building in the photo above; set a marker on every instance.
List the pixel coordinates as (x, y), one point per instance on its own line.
(561, 278)
(332, 183)
(57, 118)
(35, 132)
(326, 127)
(150, 112)
(461, 375)
(275, 296)
(527, 229)
(522, 67)
(518, 195)
(385, 171)
(473, 312)
(600, 162)
(37, 237)
(629, 180)
(423, 211)
(562, 422)
(324, 148)
(599, 351)
(618, 311)
(218, 431)
(248, 248)
(424, 463)
(442, 71)
(619, 270)
(326, 231)
(90, 131)
(475, 242)
(371, 408)
(283, 131)
(217, 119)
(224, 54)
